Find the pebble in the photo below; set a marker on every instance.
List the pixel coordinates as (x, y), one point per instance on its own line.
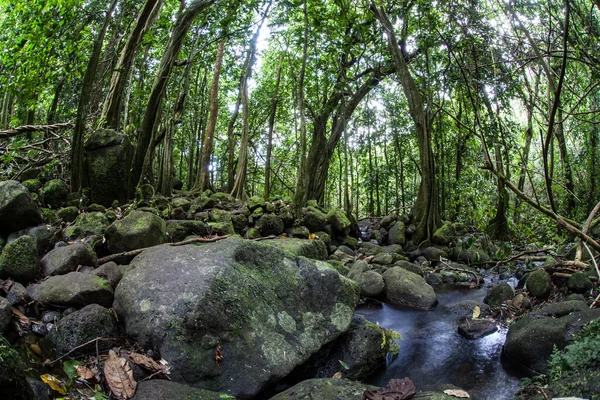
(51, 316)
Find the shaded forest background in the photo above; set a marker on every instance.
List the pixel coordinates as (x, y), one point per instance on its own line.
(482, 112)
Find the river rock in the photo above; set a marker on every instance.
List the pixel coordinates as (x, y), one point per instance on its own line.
(265, 311)
(111, 272)
(66, 259)
(404, 288)
(314, 249)
(87, 224)
(178, 230)
(579, 282)
(476, 328)
(499, 294)
(139, 229)
(108, 156)
(17, 294)
(371, 284)
(73, 289)
(539, 284)
(444, 234)
(17, 208)
(324, 389)
(91, 322)
(465, 308)
(162, 389)
(19, 260)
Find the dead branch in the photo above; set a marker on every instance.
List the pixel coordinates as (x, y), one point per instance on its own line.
(574, 264)
(535, 387)
(133, 253)
(264, 238)
(33, 128)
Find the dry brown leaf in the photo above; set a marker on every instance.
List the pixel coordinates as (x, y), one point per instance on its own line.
(457, 393)
(23, 320)
(119, 376)
(84, 372)
(397, 389)
(144, 361)
(218, 356)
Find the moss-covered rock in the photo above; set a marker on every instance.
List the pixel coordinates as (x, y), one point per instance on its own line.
(499, 294)
(73, 289)
(266, 311)
(407, 289)
(324, 389)
(19, 260)
(162, 389)
(371, 284)
(370, 249)
(270, 224)
(33, 185)
(339, 266)
(314, 249)
(539, 283)
(383, 258)
(68, 214)
(87, 224)
(579, 283)
(339, 222)
(444, 234)
(45, 236)
(137, 230)
(178, 230)
(55, 193)
(66, 259)
(300, 232)
(253, 233)
(240, 222)
(351, 242)
(222, 197)
(397, 233)
(217, 215)
(13, 379)
(314, 219)
(17, 208)
(255, 202)
(221, 228)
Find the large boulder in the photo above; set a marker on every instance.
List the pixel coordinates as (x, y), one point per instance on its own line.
(162, 389)
(339, 222)
(138, 230)
(17, 208)
(404, 288)
(263, 310)
(108, 161)
(177, 230)
(314, 219)
(397, 234)
(45, 237)
(66, 259)
(19, 260)
(73, 289)
(371, 284)
(314, 249)
(324, 389)
(80, 327)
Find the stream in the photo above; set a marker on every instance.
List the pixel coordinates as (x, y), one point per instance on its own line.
(432, 352)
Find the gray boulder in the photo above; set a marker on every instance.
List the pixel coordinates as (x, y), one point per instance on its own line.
(371, 284)
(265, 311)
(138, 230)
(177, 230)
(17, 208)
(111, 272)
(404, 288)
(19, 260)
(499, 294)
(465, 308)
(108, 161)
(91, 322)
(5, 314)
(397, 234)
(476, 328)
(162, 389)
(66, 259)
(73, 289)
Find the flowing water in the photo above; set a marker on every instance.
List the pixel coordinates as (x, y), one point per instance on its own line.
(432, 352)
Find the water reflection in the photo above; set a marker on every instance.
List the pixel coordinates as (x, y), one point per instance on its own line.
(432, 351)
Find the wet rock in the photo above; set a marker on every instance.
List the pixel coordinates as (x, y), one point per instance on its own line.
(499, 294)
(268, 311)
(91, 322)
(464, 309)
(371, 284)
(579, 283)
(66, 259)
(137, 230)
(323, 389)
(314, 249)
(162, 389)
(73, 289)
(407, 289)
(19, 260)
(178, 230)
(108, 161)
(396, 234)
(476, 328)
(17, 294)
(434, 254)
(539, 284)
(5, 314)
(434, 279)
(17, 208)
(51, 317)
(55, 193)
(270, 224)
(111, 272)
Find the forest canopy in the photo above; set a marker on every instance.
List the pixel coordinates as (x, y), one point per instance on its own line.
(481, 112)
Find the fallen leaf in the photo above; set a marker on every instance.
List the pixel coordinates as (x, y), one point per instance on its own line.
(476, 312)
(312, 236)
(166, 368)
(343, 364)
(457, 393)
(70, 368)
(337, 375)
(23, 320)
(218, 355)
(144, 361)
(36, 349)
(397, 389)
(119, 376)
(84, 372)
(56, 384)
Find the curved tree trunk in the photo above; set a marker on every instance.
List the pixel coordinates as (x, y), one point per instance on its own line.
(180, 29)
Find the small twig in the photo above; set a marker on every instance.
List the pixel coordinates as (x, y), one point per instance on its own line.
(83, 345)
(265, 238)
(521, 254)
(536, 387)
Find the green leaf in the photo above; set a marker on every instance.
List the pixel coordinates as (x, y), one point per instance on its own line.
(69, 368)
(346, 366)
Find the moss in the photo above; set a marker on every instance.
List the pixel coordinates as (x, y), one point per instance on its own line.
(103, 283)
(19, 259)
(539, 283)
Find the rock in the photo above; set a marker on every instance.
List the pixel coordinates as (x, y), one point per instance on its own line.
(162, 389)
(255, 202)
(68, 214)
(108, 158)
(33, 185)
(371, 284)
(111, 272)
(358, 269)
(240, 222)
(55, 193)
(270, 224)
(13, 379)
(476, 328)
(51, 316)
(499, 294)
(370, 249)
(137, 230)
(178, 230)
(5, 314)
(181, 202)
(350, 242)
(342, 256)
(339, 222)
(464, 309)
(252, 233)
(314, 249)
(339, 266)
(396, 234)
(314, 219)
(407, 289)
(323, 389)
(66, 259)
(217, 215)
(444, 235)
(17, 208)
(19, 260)
(221, 228)
(539, 284)
(299, 231)
(222, 197)
(44, 235)
(383, 259)
(73, 289)
(579, 283)
(412, 267)
(87, 224)
(561, 309)
(91, 322)
(434, 279)
(388, 220)
(17, 294)
(434, 254)
(268, 312)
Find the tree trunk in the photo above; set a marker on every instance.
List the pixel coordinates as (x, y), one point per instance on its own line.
(203, 182)
(82, 108)
(270, 134)
(112, 106)
(239, 186)
(180, 29)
